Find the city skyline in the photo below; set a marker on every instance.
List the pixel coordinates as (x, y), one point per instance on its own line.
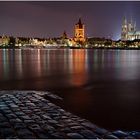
(38, 19)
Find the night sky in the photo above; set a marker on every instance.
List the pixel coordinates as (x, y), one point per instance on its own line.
(50, 19)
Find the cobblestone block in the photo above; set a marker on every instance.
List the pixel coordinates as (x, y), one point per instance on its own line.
(20, 113)
(52, 121)
(135, 134)
(11, 116)
(100, 131)
(2, 119)
(48, 127)
(77, 127)
(17, 120)
(66, 130)
(7, 132)
(26, 117)
(46, 117)
(19, 125)
(7, 111)
(25, 134)
(75, 136)
(28, 111)
(120, 134)
(88, 134)
(43, 136)
(89, 125)
(57, 135)
(4, 125)
(28, 122)
(110, 136)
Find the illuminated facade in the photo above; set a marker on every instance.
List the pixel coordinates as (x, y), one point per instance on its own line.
(4, 40)
(129, 31)
(79, 35)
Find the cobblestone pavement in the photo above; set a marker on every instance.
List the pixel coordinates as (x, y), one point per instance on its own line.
(26, 114)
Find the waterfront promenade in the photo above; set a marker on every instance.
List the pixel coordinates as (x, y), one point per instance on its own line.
(27, 114)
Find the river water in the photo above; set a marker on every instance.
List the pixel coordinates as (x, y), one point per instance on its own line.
(100, 85)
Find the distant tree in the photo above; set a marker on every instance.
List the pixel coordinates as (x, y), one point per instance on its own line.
(108, 43)
(128, 43)
(12, 41)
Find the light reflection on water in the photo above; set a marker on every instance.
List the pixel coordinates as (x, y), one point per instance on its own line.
(98, 84)
(72, 67)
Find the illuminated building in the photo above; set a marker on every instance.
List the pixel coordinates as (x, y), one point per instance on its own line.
(129, 31)
(4, 40)
(79, 35)
(1, 41)
(37, 42)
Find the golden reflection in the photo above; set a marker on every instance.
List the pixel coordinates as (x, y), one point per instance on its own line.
(19, 63)
(38, 63)
(1, 63)
(48, 60)
(78, 66)
(70, 60)
(5, 63)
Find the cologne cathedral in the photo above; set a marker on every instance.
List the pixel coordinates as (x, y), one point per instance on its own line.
(129, 31)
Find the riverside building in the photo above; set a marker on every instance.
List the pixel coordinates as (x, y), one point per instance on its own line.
(129, 31)
(79, 32)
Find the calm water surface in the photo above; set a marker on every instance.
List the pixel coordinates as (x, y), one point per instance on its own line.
(100, 85)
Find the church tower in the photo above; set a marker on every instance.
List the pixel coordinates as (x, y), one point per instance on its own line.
(131, 26)
(79, 35)
(124, 29)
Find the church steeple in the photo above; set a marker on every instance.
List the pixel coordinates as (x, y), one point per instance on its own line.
(124, 29)
(79, 32)
(131, 21)
(80, 24)
(124, 21)
(135, 26)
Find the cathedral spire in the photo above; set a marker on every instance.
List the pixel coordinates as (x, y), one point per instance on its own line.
(79, 22)
(124, 29)
(135, 26)
(124, 21)
(131, 21)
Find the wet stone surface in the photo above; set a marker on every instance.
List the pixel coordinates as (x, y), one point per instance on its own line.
(27, 114)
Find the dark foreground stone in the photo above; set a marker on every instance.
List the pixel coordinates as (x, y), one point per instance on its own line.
(26, 114)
